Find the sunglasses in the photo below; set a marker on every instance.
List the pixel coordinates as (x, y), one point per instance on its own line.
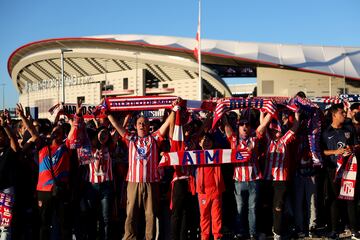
(244, 124)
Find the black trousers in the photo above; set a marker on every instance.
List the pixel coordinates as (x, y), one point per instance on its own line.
(280, 189)
(54, 216)
(181, 207)
(332, 192)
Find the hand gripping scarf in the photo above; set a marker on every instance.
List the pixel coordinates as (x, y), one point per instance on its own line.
(313, 121)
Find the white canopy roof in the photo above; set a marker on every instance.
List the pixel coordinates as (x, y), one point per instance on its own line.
(331, 60)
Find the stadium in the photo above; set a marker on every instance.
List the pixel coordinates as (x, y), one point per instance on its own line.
(142, 65)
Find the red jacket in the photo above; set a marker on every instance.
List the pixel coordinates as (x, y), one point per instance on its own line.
(202, 177)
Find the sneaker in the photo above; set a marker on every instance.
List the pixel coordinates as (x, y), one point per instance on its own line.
(277, 237)
(301, 235)
(238, 236)
(313, 232)
(355, 235)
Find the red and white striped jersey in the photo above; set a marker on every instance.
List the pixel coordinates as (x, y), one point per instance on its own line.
(101, 168)
(143, 157)
(246, 171)
(277, 162)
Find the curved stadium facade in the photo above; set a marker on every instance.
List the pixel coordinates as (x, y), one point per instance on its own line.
(139, 65)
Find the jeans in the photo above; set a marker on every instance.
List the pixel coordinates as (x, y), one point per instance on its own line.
(54, 216)
(5, 231)
(305, 192)
(246, 193)
(99, 197)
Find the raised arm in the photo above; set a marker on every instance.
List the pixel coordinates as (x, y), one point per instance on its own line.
(28, 124)
(228, 129)
(295, 125)
(170, 120)
(172, 125)
(166, 124)
(76, 121)
(13, 141)
(264, 122)
(116, 124)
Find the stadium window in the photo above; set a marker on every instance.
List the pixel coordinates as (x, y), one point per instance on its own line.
(125, 83)
(82, 99)
(268, 87)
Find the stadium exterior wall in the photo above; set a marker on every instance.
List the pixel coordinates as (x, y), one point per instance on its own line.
(283, 82)
(92, 90)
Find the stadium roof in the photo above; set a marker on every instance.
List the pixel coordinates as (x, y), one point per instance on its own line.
(27, 64)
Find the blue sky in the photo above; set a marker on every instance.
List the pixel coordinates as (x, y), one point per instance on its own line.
(317, 22)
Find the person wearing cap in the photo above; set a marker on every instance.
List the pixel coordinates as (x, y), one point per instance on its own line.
(246, 174)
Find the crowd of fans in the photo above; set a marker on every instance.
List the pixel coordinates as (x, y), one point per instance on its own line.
(120, 193)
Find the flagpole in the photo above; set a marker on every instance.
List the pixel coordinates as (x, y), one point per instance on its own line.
(199, 52)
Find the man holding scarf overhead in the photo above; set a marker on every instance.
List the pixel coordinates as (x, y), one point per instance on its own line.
(143, 176)
(246, 174)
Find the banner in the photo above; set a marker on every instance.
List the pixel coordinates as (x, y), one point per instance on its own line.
(204, 157)
(69, 109)
(87, 110)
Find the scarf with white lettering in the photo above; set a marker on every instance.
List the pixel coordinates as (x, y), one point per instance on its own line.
(153, 103)
(346, 171)
(226, 104)
(204, 157)
(6, 206)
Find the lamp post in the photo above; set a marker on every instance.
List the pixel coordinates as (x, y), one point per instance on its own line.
(136, 74)
(344, 60)
(105, 86)
(62, 72)
(3, 93)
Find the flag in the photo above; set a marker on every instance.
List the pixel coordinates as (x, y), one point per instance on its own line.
(197, 52)
(197, 49)
(222, 106)
(269, 107)
(101, 108)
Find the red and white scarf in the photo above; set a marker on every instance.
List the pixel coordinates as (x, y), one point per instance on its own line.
(204, 157)
(153, 103)
(227, 104)
(347, 173)
(6, 206)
